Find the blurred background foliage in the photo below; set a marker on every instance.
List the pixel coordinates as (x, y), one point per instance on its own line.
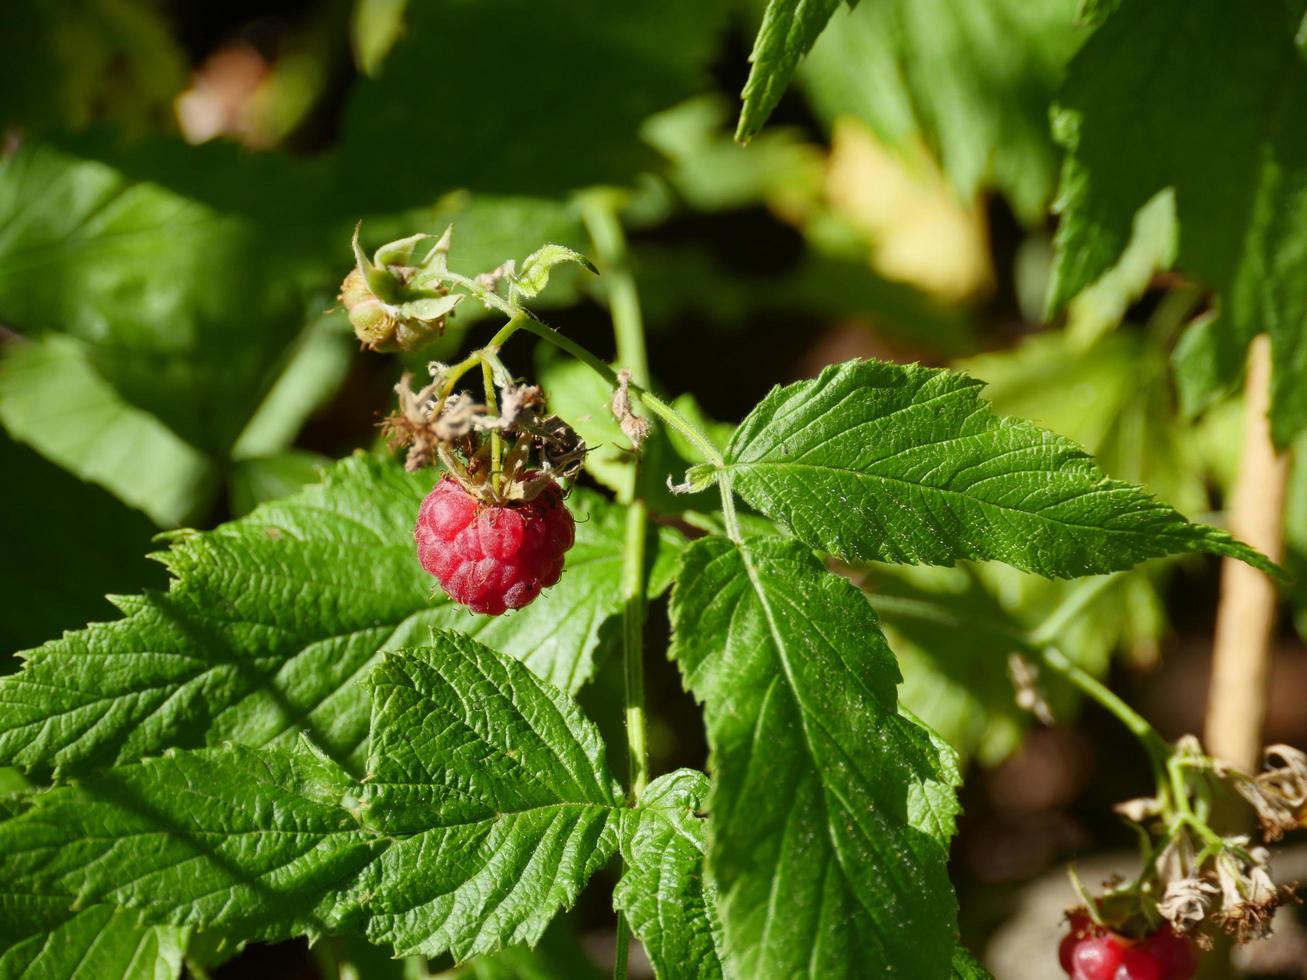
(177, 190)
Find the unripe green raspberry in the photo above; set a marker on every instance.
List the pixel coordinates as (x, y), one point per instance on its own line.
(394, 306)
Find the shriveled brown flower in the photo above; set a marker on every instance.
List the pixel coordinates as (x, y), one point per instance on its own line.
(1279, 793)
(1186, 902)
(1249, 896)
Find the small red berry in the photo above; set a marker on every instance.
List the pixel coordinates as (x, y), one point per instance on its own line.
(1137, 964)
(1174, 953)
(1081, 927)
(1097, 958)
(493, 557)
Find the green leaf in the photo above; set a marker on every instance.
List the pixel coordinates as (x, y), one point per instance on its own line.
(72, 63)
(1136, 115)
(260, 479)
(255, 842)
(906, 464)
(271, 620)
(42, 939)
(965, 967)
(531, 280)
(712, 172)
(317, 364)
(487, 806)
(558, 955)
(1101, 306)
(519, 128)
(789, 30)
(498, 791)
(186, 310)
(375, 26)
(952, 640)
(972, 78)
(53, 399)
(831, 812)
(671, 907)
(36, 501)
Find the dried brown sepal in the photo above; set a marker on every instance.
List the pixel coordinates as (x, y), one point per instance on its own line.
(1279, 793)
(633, 426)
(1249, 896)
(455, 431)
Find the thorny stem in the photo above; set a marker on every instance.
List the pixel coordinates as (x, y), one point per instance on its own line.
(628, 334)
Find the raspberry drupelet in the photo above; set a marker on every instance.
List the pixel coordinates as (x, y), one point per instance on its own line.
(493, 557)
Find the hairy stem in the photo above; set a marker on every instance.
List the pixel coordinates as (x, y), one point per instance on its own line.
(628, 334)
(651, 401)
(1245, 616)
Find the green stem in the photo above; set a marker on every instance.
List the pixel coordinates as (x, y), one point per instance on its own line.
(1153, 743)
(1081, 597)
(651, 401)
(1040, 644)
(623, 948)
(623, 299)
(633, 611)
(628, 335)
(492, 406)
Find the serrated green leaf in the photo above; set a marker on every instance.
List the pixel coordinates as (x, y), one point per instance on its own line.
(671, 907)
(1136, 116)
(830, 811)
(42, 939)
(252, 841)
(272, 620)
(971, 78)
(789, 30)
(487, 806)
(498, 791)
(906, 464)
(52, 399)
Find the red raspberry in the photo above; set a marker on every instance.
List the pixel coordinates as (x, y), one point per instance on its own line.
(1174, 953)
(1082, 927)
(1136, 964)
(1097, 958)
(493, 557)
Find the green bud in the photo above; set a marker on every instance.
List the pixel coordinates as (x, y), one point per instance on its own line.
(387, 311)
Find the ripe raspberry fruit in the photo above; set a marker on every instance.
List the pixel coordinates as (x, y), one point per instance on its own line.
(1097, 958)
(1136, 964)
(1174, 953)
(493, 557)
(1081, 928)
